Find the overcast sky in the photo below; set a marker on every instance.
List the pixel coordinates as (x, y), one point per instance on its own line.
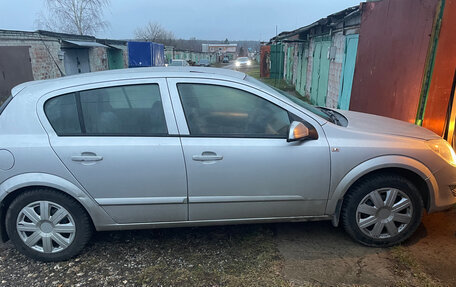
(203, 19)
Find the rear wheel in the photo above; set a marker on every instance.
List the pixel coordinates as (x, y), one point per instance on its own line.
(382, 211)
(47, 225)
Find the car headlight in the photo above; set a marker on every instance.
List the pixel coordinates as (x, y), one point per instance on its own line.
(248, 63)
(443, 149)
(238, 64)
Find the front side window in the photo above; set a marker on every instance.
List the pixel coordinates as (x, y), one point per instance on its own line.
(213, 110)
(114, 111)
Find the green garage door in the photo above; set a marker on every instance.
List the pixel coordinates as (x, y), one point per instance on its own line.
(320, 73)
(115, 59)
(277, 56)
(301, 71)
(348, 71)
(290, 63)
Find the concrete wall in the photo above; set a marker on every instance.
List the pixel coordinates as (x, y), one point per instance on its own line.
(98, 59)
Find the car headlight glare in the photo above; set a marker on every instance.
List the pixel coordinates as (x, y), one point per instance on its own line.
(443, 149)
(238, 64)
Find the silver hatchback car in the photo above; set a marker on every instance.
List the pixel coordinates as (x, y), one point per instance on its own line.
(169, 147)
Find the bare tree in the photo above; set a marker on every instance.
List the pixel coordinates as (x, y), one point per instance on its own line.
(154, 32)
(83, 17)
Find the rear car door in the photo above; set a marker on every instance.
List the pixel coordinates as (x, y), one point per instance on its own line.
(239, 163)
(120, 143)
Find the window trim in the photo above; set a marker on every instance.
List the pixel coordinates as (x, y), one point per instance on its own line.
(81, 115)
(5, 103)
(227, 135)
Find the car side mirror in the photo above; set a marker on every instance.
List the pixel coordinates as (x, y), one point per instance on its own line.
(299, 131)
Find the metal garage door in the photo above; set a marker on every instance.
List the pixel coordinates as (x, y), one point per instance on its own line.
(15, 68)
(76, 61)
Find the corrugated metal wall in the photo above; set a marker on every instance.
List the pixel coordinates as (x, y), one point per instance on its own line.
(392, 49)
(443, 72)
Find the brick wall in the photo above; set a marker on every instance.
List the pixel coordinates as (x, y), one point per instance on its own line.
(309, 67)
(285, 60)
(295, 64)
(125, 56)
(335, 70)
(98, 59)
(44, 53)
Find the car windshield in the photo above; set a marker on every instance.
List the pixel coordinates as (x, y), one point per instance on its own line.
(294, 99)
(243, 59)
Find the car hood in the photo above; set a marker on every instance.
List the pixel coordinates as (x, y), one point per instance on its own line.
(383, 125)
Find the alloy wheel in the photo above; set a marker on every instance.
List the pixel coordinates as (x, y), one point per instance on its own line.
(46, 227)
(384, 213)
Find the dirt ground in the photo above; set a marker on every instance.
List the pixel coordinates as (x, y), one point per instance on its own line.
(288, 254)
(317, 253)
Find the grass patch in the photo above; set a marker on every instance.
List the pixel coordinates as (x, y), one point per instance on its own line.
(406, 264)
(278, 83)
(223, 256)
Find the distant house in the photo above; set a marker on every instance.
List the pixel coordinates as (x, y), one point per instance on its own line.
(221, 49)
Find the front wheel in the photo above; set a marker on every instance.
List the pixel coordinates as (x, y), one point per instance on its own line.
(382, 211)
(47, 225)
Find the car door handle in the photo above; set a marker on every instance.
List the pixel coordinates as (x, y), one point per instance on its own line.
(86, 158)
(207, 156)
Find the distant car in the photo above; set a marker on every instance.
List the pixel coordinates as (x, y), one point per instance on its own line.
(178, 63)
(204, 63)
(243, 62)
(186, 146)
(226, 60)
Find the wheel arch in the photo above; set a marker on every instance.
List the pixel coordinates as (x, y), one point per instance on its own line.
(409, 168)
(14, 186)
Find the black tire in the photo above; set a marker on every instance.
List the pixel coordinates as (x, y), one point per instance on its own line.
(365, 186)
(82, 223)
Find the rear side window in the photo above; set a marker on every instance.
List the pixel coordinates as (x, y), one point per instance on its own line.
(114, 111)
(62, 112)
(5, 103)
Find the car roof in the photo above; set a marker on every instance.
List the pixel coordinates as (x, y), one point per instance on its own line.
(45, 86)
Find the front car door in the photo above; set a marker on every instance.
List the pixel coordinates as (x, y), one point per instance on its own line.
(239, 163)
(120, 143)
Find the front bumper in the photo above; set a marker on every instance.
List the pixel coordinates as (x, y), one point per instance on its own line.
(444, 195)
